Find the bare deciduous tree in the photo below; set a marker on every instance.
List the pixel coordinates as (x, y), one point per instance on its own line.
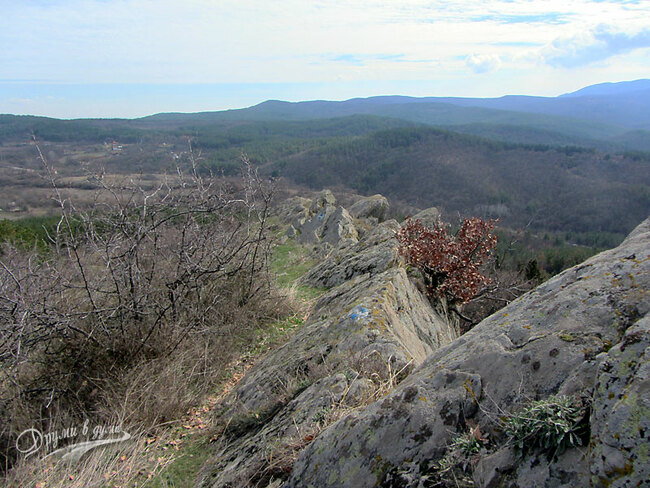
(131, 276)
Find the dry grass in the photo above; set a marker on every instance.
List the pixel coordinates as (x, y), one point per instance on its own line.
(163, 389)
(135, 462)
(171, 401)
(282, 457)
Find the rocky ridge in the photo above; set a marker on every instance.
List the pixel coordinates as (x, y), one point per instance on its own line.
(584, 332)
(362, 337)
(377, 383)
(322, 221)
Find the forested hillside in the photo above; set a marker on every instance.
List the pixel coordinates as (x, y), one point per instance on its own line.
(453, 114)
(551, 187)
(572, 163)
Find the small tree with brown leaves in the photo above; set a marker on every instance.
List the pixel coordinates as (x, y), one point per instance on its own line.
(449, 263)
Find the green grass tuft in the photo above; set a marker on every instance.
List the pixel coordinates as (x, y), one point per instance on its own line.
(184, 470)
(289, 262)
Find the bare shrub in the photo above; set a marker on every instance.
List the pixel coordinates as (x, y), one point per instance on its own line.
(505, 286)
(136, 291)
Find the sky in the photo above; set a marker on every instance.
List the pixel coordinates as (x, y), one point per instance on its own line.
(131, 58)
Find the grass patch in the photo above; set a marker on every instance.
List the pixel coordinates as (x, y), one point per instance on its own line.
(182, 472)
(274, 333)
(289, 262)
(136, 462)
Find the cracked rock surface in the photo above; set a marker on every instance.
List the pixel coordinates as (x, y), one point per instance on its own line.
(584, 332)
(373, 324)
(322, 222)
(375, 253)
(374, 207)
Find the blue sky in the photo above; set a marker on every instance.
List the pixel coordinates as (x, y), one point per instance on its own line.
(129, 58)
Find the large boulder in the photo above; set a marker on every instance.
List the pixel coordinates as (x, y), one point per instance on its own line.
(293, 209)
(375, 253)
(374, 207)
(323, 222)
(363, 335)
(583, 333)
(429, 217)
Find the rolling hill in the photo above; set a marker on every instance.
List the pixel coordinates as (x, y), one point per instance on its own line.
(609, 117)
(549, 188)
(600, 116)
(573, 162)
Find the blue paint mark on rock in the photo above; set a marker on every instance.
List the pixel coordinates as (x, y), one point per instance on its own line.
(320, 216)
(359, 313)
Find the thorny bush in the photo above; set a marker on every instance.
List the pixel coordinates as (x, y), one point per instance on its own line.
(449, 263)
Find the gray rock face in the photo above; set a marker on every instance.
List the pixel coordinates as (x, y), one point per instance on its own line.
(293, 209)
(338, 228)
(324, 200)
(490, 469)
(322, 222)
(429, 216)
(620, 421)
(246, 458)
(375, 253)
(359, 336)
(584, 332)
(374, 207)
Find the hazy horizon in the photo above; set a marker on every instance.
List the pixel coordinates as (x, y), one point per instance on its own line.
(121, 97)
(131, 58)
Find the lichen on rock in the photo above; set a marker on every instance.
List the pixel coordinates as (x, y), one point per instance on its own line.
(583, 334)
(511, 357)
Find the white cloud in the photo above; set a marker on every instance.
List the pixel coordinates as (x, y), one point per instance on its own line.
(324, 42)
(483, 63)
(196, 41)
(596, 44)
(20, 100)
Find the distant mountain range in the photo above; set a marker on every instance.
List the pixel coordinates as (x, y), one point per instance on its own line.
(578, 162)
(607, 116)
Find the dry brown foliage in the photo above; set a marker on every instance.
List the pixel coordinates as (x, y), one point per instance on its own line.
(142, 299)
(449, 263)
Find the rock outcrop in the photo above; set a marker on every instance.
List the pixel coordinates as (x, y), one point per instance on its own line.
(374, 207)
(362, 337)
(429, 216)
(293, 208)
(375, 253)
(583, 333)
(375, 387)
(322, 222)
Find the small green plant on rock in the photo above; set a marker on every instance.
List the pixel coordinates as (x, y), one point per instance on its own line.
(462, 453)
(469, 443)
(551, 425)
